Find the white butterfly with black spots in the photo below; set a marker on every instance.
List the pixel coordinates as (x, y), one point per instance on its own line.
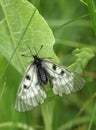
(31, 91)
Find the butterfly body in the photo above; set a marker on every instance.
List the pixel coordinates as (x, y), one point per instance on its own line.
(31, 92)
(41, 71)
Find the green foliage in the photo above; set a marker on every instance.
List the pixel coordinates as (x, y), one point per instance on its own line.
(92, 11)
(83, 56)
(22, 25)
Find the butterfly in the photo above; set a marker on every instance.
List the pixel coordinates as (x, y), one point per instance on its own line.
(31, 91)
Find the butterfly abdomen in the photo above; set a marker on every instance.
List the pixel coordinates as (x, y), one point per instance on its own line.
(41, 71)
(42, 74)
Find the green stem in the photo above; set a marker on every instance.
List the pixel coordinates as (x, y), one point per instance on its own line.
(18, 125)
(47, 116)
(93, 117)
(78, 121)
(71, 21)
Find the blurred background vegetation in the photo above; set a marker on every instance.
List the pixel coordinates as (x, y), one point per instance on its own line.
(73, 25)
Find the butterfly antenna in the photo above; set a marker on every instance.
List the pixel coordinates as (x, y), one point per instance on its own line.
(37, 52)
(39, 49)
(29, 49)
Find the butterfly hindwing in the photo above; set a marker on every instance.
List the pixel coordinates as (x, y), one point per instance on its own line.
(63, 80)
(30, 93)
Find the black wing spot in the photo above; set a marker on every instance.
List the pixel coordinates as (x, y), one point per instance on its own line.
(25, 86)
(28, 77)
(54, 67)
(62, 72)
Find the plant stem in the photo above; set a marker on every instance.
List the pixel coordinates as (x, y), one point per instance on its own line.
(93, 117)
(47, 116)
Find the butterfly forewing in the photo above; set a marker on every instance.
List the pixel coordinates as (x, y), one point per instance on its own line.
(63, 81)
(30, 94)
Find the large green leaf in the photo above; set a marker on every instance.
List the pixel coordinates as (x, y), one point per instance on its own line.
(23, 25)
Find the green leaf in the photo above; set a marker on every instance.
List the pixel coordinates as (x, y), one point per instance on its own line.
(92, 11)
(83, 57)
(22, 26)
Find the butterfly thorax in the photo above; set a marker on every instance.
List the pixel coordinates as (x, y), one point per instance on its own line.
(37, 60)
(41, 71)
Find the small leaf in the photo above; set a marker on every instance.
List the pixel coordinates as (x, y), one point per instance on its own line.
(83, 57)
(17, 15)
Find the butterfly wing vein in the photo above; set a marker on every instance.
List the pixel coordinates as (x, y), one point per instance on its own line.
(63, 83)
(33, 94)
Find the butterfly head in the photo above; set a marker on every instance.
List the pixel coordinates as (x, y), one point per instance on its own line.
(35, 57)
(37, 60)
